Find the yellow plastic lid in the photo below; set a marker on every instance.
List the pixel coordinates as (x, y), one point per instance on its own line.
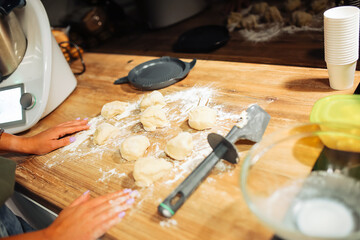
(337, 108)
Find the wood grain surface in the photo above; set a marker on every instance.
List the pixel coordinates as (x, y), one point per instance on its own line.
(217, 209)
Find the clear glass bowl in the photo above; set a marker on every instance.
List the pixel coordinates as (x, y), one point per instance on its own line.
(304, 182)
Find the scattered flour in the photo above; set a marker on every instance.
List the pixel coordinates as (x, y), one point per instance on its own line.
(168, 223)
(179, 104)
(268, 33)
(243, 120)
(84, 152)
(107, 174)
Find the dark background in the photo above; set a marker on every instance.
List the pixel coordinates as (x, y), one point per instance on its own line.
(127, 28)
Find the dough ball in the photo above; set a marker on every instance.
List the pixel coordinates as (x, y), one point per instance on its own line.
(234, 20)
(152, 118)
(154, 98)
(202, 118)
(259, 8)
(180, 146)
(112, 109)
(319, 5)
(149, 169)
(291, 5)
(134, 147)
(272, 14)
(103, 132)
(301, 19)
(249, 22)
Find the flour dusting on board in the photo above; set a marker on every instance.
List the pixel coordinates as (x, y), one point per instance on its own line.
(108, 174)
(168, 223)
(178, 106)
(112, 168)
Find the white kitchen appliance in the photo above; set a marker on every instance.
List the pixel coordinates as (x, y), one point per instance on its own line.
(42, 80)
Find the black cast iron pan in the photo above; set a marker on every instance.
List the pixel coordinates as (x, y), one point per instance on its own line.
(157, 73)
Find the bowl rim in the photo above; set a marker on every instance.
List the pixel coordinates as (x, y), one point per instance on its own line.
(248, 162)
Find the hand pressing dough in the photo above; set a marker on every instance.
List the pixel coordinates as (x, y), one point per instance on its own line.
(202, 118)
(180, 146)
(154, 98)
(152, 118)
(112, 109)
(134, 147)
(103, 132)
(150, 169)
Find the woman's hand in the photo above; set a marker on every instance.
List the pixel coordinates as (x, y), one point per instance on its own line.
(86, 218)
(89, 218)
(53, 138)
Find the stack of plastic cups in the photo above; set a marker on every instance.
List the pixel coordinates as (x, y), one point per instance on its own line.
(341, 32)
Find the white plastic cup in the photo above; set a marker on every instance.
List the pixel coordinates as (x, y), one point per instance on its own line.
(341, 13)
(341, 77)
(341, 35)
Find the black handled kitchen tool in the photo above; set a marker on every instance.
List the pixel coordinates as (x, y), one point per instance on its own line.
(157, 73)
(223, 148)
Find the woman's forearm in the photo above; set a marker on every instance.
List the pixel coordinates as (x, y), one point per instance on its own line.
(29, 236)
(13, 143)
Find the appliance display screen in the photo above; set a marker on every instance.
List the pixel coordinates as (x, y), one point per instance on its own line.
(11, 111)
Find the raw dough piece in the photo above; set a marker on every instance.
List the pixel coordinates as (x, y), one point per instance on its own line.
(272, 14)
(291, 5)
(249, 22)
(300, 18)
(134, 147)
(234, 20)
(112, 109)
(180, 146)
(319, 5)
(153, 117)
(103, 132)
(149, 169)
(202, 118)
(154, 98)
(259, 8)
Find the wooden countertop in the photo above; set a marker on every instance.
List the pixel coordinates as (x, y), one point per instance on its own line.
(216, 210)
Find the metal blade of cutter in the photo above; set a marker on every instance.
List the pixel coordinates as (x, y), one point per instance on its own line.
(223, 148)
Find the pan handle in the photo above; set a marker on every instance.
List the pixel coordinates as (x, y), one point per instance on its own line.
(188, 67)
(122, 80)
(192, 63)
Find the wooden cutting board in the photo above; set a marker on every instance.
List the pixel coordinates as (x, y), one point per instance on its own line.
(216, 210)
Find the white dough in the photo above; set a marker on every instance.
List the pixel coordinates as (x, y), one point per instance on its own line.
(180, 146)
(149, 169)
(154, 98)
(112, 109)
(202, 118)
(103, 132)
(153, 117)
(134, 147)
